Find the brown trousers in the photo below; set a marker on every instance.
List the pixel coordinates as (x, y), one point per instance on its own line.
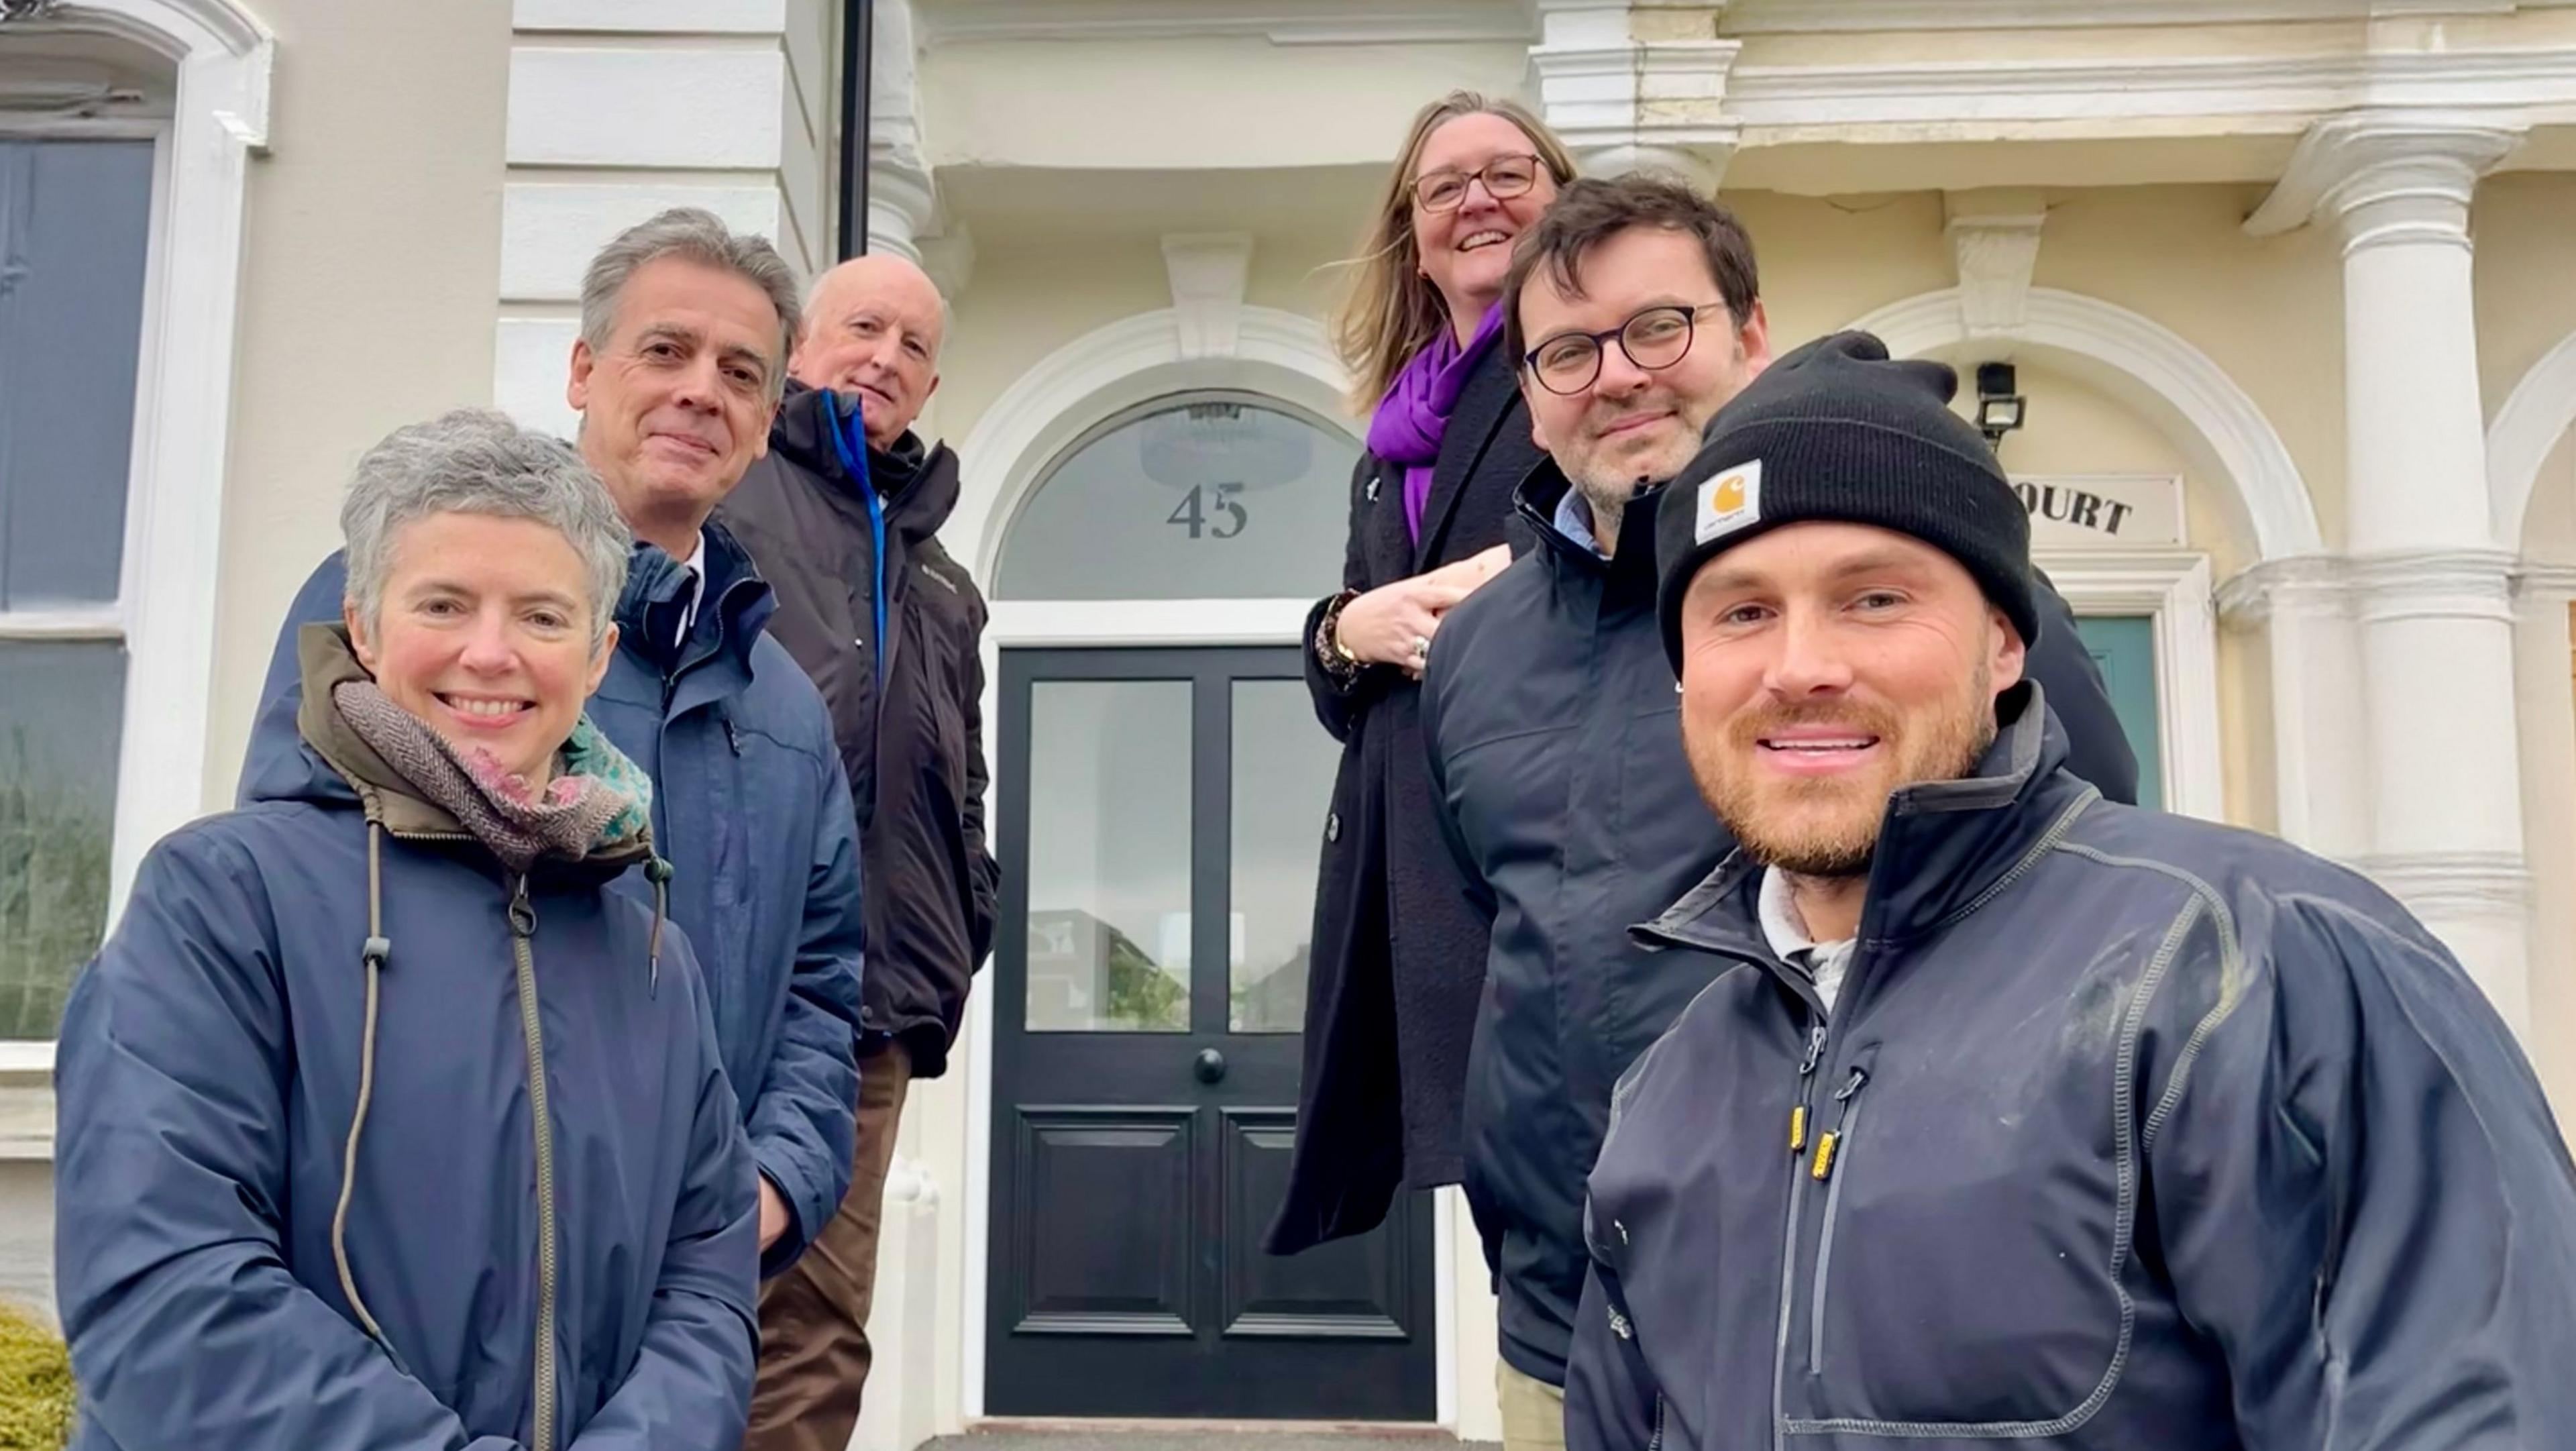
(814, 1350)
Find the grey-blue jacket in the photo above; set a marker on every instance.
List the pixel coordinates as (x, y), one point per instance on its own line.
(752, 811)
(2126, 1130)
(207, 1082)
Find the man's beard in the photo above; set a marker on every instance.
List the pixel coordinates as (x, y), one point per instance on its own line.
(1828, 827)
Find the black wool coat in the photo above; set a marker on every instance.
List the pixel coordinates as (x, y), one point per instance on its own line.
(1398, 954)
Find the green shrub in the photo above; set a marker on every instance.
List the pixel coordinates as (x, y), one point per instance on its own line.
(35, 1385)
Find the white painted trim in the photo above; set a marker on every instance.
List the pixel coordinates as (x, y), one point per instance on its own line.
(1208, 272)
(183, 401)
(2525, 432)
(18, 1055)
(1280, 22)
(2156, 371)
(2293, 89)
(105, 622)
(1022, 624)
(2173, 588)
(1776, 17)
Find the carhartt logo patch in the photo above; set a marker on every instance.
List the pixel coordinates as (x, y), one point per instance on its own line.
(1729, 502)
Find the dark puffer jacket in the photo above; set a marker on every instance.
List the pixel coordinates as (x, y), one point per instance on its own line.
(208, 1079)
(2126, 1130)
(844, 547)
(1555, 741)
(766, 878)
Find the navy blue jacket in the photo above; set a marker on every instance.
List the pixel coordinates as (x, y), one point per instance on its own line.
(751, 809)
(2146, 1132)
(1555, 742)
(207, 1079)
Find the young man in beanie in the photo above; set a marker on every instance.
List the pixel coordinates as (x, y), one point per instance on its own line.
(2014, 1116)
(1548, 710)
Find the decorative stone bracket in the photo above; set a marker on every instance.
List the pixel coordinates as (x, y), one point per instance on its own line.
(1638, 86)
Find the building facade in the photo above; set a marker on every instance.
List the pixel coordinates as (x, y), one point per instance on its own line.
(2288, 286)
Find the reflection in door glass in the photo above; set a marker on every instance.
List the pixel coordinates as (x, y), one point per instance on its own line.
(1109, 856)
(1283, 782)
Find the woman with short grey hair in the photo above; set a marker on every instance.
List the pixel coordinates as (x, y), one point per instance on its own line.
(383, 1120)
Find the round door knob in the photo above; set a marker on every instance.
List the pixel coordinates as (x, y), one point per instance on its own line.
(1209, 1065)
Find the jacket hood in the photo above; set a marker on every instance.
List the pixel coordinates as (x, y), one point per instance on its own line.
(363, 775)
(803, 436)
(1943, 846)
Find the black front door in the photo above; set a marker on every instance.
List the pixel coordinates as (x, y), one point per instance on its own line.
(1160, 811)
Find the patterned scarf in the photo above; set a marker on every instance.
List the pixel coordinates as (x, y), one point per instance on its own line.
(596, 801)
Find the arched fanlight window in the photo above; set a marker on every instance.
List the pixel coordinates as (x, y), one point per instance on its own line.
(1210, 495)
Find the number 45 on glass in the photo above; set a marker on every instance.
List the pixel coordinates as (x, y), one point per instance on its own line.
(1209, 511)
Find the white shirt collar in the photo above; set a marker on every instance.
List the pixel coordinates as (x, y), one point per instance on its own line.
(1787, 933)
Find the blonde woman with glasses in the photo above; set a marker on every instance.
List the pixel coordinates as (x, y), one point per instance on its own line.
(1398, 948)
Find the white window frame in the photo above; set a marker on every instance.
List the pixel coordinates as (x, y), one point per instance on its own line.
(2172, 588)
(165, 608)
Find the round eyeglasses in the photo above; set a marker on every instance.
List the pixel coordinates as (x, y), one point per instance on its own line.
(1656, 337)
(1504, 177)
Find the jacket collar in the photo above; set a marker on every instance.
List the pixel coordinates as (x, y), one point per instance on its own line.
(1944, 847)
(1543, 491)
(802, 436)
(733, 608)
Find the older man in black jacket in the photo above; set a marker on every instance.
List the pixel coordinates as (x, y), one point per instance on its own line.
(843, 518)
(1551, 720)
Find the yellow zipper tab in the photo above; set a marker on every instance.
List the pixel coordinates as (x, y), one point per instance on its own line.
(1798, 1128)
(1825, 1154)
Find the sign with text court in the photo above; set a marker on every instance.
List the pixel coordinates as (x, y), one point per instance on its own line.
(2102, 511)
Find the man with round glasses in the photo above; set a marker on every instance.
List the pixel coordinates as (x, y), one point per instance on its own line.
(1552, 723)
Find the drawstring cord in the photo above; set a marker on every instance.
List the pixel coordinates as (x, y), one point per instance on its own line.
(658, 872)
(377, 951)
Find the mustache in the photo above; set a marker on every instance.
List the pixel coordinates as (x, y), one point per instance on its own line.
(1866, 720)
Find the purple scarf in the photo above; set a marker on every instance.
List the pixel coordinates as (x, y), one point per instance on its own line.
(1415, 412)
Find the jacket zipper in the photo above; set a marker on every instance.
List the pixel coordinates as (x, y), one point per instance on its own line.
(523, 930)
(1832, 1153)
(1789, 1240)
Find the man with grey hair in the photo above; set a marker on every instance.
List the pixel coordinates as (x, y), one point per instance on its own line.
(843, 515)
(686, 331)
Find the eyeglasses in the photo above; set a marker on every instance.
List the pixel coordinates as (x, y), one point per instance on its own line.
(1504, 177)
(1656, 337)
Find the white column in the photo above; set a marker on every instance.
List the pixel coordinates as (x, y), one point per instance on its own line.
(902, 203)
(2431, 589)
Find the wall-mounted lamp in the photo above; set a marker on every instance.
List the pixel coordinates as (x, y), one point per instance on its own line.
(2000, 406)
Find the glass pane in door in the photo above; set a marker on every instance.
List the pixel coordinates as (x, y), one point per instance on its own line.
(1109, 856)
(62, 709)
(1283, 784)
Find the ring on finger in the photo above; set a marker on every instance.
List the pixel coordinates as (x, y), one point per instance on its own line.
(1421, 647)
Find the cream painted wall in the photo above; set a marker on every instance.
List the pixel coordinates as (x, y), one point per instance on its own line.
(2525, 229)
(1086, 105)
(370, 278)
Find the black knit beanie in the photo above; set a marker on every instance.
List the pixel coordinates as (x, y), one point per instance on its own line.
(1837, 431)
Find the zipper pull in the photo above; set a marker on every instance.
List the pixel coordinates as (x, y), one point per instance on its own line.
(1806, 1071)
(523, 913)
(1833, 1137)
(733, 737)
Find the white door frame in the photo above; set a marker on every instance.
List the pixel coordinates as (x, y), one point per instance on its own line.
(2171, 587)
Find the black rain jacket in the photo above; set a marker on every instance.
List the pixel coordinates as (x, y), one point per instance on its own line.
(2144, 1132)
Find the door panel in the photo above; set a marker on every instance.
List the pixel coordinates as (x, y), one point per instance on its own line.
(1161, 814)
(1105, 1221)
